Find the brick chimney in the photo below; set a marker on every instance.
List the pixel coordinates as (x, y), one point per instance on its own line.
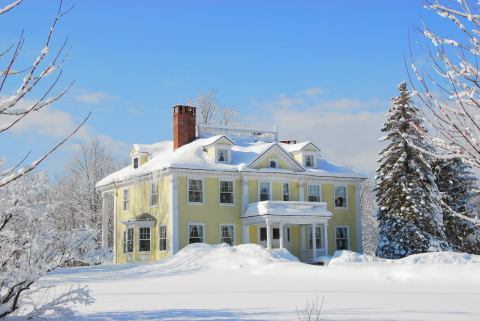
(184, 123)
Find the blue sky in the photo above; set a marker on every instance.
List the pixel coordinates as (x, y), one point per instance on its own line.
(319, 70)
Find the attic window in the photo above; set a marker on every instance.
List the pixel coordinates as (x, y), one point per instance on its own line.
(309, 161)
(273, 164)
(135, 162)
(222, 155)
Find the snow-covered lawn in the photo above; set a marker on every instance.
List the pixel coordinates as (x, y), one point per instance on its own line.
(247, 282)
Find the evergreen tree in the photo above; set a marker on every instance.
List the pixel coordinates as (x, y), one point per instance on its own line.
(409, 203)
(458, 185)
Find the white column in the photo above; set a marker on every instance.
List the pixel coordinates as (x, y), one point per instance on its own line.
(245, 194)
(301, 193)
(246, 234)
(358, 217)
(115, 223)
(282, 242)
(105, 214)
(269, 235)
(302, 239)
(314, 241)
(174, 231)
(325, 238)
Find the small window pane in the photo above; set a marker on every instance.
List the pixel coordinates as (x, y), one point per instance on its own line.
(273, 164)
(124, 241)
(309, 161)
(341, 236)
(286, 192)
(162, 238)
(263, 234)
(223, 155)
(195, 234)
(226, 192)
(227, 234)
(341, 196)
(129, 240)
(154, 194)
(135, 162)
(264, 191)
(144, 239)
(195, 190)
(276, 233)
(314, 193)
(318, 237)
(125, 200)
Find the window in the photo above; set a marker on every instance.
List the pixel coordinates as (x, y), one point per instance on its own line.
(162, 237)
(314, 193)
(144, 239)
(222, 155)
(318, 237)
(226, 192)
(227, 234)
(276, 233)
(263, 234)
(341, 237)
(341, 196)
(135, 162)
(286, 191)
(124, 241)
(288, 234)
(125, 199)
(129, 240)
(273, 164)
(309, 161)
(195, 191)
(154, 194)
(264, 191)
(195, 234)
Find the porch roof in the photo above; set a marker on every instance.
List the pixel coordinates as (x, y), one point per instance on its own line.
(288, 208)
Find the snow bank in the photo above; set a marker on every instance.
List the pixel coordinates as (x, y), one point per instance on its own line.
(447, 257)
(222, 256)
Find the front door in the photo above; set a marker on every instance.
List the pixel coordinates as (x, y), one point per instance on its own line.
(275, 236)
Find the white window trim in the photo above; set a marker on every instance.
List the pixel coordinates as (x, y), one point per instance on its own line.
(269, 189)
(123, 200)
(151, 236)
(289, 190)
(319, 190)
(133, 161)
(304, 160)
(166, 239)
(133, 240)
(220, 232)
(203, 190)
(346, 197)
(219, 191)
(348, 237)
(188, 232)
(151, 193)
(229, 154)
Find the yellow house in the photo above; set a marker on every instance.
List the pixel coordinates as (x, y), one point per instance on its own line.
(231, 185)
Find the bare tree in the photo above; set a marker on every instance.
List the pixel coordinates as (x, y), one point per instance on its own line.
(369, 223)
(449, 86)
(29, 247)
(210, 113)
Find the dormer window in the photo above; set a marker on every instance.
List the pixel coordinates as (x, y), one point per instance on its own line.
(309, 161)
(222, 155)
(135, 162)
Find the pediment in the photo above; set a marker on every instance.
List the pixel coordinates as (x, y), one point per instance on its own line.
(282, 158)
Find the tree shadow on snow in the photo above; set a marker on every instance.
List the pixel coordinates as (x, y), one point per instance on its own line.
(182, 315)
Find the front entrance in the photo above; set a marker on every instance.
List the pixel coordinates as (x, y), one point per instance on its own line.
(262, 236)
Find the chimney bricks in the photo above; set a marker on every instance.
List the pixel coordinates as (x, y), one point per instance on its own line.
(184, 125)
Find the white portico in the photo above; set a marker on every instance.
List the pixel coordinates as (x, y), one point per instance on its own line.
(275, 217)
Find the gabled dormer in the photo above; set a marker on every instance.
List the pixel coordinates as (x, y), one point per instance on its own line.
(138, 155)
(219, 149)
(275, 157)
(306, 154)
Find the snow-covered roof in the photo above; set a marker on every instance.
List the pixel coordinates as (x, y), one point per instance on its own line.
(285, 208)
(161, 156)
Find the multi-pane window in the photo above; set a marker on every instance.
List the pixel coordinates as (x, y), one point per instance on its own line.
(129, 240)
(341, 196)
(313, 193)
(195, 190)
(125, 199)
(286, 191)
(195, 234)
(222, 155)
(276, 233)
(264, 191)
(154, 194)
(226, 192)
(318, 237)
(227, 234)
(144, 239)
(135, 162)
(263, 234)
(124, 241)
(341, 237)
(162, 238)
(309, 161)
(273, 164)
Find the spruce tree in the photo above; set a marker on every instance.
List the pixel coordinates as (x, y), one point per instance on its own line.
(458, 185)
(409, 203)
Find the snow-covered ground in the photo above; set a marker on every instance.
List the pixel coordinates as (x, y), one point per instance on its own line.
(247, 282)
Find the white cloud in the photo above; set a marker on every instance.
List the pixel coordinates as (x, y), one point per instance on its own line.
(91, 97)
(346, 130)
(312, 92)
